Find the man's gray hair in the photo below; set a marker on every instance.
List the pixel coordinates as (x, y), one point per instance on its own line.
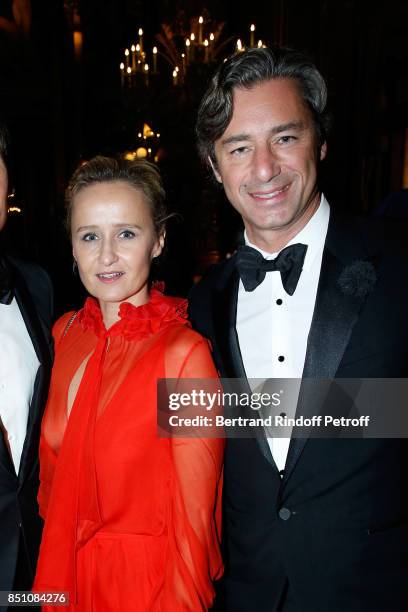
(246, 69)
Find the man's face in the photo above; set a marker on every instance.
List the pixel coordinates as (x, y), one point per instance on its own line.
(267, 161)
(3, 193)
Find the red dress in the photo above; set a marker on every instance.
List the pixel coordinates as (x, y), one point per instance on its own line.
(132, 519)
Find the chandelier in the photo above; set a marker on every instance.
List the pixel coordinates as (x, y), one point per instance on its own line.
(177, 51)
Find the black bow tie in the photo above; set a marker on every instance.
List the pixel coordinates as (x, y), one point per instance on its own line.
(252, 267)
(6, 283)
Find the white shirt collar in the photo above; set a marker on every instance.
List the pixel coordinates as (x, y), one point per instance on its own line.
(313, 234)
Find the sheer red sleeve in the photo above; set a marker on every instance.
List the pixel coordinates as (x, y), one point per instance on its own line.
(194, 558)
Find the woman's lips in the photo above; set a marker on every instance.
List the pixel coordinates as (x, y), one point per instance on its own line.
(109, 277)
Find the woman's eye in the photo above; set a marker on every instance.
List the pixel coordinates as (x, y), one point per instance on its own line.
(89, 237)
(127, 234)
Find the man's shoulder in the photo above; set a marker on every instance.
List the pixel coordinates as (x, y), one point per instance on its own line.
(28, 269)
(215, 277)
(388, 233)
(37, 283)
(203, 294)
(378, 236)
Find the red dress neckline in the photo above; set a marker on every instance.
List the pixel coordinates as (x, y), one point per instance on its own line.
(136, 322)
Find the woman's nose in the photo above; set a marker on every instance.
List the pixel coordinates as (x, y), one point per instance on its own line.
(108, 254)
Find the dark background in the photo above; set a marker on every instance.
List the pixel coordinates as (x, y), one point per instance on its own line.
(61, 108)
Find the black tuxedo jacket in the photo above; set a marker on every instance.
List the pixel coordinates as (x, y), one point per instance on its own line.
(20, 524)
(342, 541)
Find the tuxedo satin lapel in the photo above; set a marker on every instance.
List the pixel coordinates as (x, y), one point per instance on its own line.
(333, 319)
(42, 350)
(225, 315)
(335, 314)
(32, 321)
(225, 318)
(6, 462)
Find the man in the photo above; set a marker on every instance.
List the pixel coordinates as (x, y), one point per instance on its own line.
(25, 362)
(311, 525)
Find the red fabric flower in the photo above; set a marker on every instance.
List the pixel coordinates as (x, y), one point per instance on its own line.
(136, 322)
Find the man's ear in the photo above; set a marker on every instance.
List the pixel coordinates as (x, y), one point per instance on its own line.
(214, 169)
(323, 151)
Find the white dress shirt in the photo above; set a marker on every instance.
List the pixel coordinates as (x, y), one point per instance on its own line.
(18, 369)
(273, 326)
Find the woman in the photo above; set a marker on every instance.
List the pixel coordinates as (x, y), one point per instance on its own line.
(132, 519)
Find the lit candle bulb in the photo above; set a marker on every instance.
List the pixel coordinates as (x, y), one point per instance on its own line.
(188, 49)
(260, 44)
(154, 60)
(211, 46)
(206, 51)
(200, 29)
(193, 52)
(122, 73)
(146, 71)
(133, 50)
(239, 45)
(174, 77)
(183, 59)
(252, 36)
(127, 58)
(137, 55)
(140, 32)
